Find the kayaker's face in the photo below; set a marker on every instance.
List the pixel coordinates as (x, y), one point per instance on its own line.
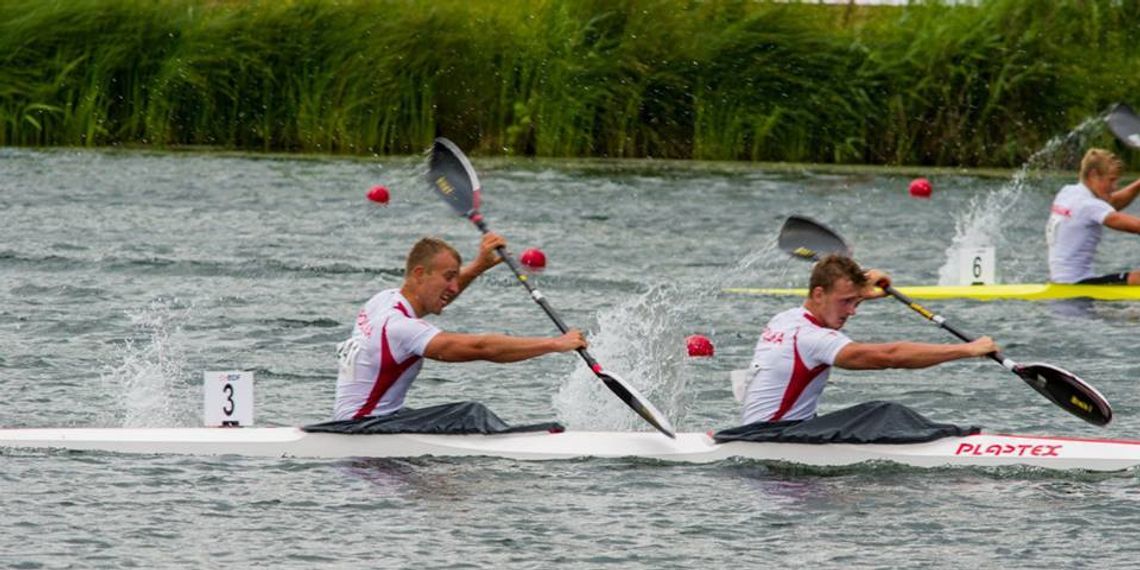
(834, 307)
(1103, 185)
(437, 284)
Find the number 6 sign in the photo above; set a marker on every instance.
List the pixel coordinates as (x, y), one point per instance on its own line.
(976, 266)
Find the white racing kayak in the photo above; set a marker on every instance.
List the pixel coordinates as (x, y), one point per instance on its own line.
(983, 450)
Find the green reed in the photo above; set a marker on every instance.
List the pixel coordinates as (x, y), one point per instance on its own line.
(714, 79)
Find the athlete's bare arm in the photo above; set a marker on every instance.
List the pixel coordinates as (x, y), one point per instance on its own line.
(1123, 222)
(486, 259)
(878, 356)
(1123, 197)
(461, 347)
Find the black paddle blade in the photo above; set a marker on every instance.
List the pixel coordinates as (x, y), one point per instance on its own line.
(635, 400)
(808, 239)
(453, 178)
(1068, 391)
(1124, 124)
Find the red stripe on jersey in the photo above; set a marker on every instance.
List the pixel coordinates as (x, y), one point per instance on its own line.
(390, 371)
(811, 319)
(801, 377)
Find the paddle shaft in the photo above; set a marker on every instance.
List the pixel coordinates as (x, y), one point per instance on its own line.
(535, 293)
(941, 322)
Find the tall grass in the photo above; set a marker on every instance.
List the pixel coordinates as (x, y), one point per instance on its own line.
(713, 79)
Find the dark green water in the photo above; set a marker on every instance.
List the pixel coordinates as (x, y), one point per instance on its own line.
(124, 276)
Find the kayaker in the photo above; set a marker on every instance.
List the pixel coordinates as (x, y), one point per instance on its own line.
(798, 347)
(1079, 212)
(390, 339)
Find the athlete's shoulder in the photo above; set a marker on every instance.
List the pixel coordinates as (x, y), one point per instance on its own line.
(384, 297)
(784, 319)
(388, 305)
(1071, 197)
(812, 330)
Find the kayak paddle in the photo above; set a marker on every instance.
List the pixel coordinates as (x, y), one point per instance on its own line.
(1124, 124)
(808, 239)
(454, 179)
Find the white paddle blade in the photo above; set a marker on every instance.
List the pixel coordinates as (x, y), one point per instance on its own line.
(639, 403)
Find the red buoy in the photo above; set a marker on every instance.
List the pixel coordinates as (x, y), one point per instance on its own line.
(533, 258)
(920, 188)
(699, 346)
(379, 194)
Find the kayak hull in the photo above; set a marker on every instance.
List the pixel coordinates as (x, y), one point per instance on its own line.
(982, 450)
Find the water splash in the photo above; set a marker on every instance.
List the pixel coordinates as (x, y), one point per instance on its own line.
(983, 222)
(641, 340)
(641, 337)
(766, 259)
(148, 375)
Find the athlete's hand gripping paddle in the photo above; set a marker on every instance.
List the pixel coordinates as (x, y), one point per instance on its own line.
(808, 239)
(451, 175)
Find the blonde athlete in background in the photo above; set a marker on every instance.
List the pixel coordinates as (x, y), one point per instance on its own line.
(1078, 214)
(799, 346)
(390, 339)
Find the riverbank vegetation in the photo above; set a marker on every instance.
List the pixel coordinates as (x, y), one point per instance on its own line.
(927, 84)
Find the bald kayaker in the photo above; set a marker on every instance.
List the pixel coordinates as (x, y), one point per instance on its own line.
(798, 347)
(390, 338)
(1078, 215)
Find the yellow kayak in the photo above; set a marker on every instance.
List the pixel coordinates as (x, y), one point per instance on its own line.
(1022, 292)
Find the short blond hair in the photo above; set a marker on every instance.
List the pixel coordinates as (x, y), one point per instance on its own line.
(1101, 162)
(425, 250)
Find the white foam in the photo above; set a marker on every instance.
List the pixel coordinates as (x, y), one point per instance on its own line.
(148, 378)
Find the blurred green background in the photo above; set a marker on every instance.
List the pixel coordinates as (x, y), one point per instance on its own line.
(926, 84)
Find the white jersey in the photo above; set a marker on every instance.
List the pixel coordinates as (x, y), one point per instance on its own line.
(382, 358)
(1073, 231)
(791, 364)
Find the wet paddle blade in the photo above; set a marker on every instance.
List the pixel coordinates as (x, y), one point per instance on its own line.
(808, 239)
(1068, 391)
(639, 403)
(453, 178)
(1124, 124)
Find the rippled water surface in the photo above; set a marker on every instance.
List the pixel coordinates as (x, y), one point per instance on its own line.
(124, 276)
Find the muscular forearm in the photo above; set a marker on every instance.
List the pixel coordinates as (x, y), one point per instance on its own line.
(921, 355)
(503, 348)
(491, 253)
(1123, 222)
(901, 355)
(469, 272)
(1123, 197)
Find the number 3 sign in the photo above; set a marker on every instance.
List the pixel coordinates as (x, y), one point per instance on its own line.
(228, 400)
